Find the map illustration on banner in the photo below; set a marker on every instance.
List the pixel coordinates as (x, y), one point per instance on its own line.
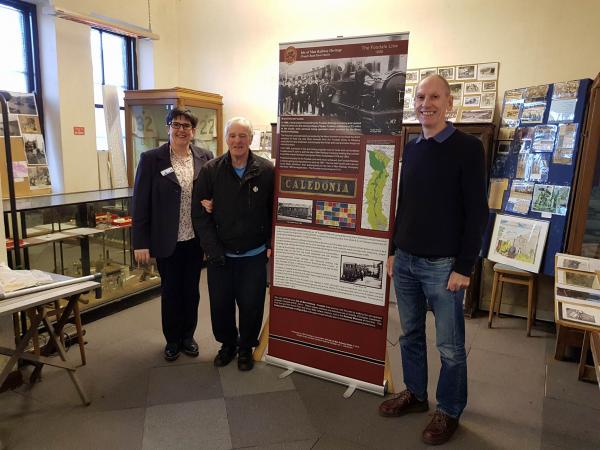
(339, 121)
(377, 190)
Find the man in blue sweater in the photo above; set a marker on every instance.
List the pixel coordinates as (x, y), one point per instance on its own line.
(441, 216)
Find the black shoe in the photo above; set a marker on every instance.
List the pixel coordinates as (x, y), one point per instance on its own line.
(171, 352)
(225, 355)
(245, 360)
(190, 347)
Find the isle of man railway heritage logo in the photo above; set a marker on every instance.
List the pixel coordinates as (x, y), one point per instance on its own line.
(291, 54)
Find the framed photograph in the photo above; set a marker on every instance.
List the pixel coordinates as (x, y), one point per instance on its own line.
(580, 263)
(571, 312)
(471, 100)
(488, 100)
(578, 279)
(489, 86)
(456, 90)
(452, 114)
(447, 73)
(487, 71)
(477, 115)
(472, 87)
(426, 72)
(412, 76)
(466, 72)
(518, 242)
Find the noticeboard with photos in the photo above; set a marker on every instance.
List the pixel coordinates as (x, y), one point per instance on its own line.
(28, 151)
(536, 155)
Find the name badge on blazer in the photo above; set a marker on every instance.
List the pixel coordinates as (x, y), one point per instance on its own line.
(166, 171)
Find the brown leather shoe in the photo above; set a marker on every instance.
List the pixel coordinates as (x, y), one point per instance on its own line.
(403, 403)
(440, 429)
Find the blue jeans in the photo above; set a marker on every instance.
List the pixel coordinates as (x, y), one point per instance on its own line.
(418, 282)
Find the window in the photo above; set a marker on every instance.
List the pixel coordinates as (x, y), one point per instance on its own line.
(19, 68)
(113, 59)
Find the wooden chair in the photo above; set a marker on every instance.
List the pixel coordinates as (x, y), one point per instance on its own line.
(507, 274)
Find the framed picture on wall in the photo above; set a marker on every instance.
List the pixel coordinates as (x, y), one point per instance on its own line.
(518, 242)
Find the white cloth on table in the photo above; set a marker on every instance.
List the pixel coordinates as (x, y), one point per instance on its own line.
(12, 280)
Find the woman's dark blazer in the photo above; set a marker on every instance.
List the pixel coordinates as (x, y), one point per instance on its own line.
(156, 200)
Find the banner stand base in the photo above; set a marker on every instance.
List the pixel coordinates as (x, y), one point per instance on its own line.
(328, 376)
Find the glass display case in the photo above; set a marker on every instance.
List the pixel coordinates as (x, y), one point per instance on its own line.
(81, 234)
(145, 128)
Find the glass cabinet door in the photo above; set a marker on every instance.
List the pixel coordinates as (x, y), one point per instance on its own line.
(148, 128)
(206, 131)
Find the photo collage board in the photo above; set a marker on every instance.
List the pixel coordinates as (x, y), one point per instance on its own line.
(535, 157)
(577, 292)
(474, 88)
(29, 159)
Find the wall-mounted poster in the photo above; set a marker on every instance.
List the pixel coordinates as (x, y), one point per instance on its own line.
(518, 242)
(473, 88)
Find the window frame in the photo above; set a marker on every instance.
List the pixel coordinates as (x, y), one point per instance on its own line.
(131, 62)
(32, 51)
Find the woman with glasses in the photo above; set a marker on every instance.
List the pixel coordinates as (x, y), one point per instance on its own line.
(162, 228)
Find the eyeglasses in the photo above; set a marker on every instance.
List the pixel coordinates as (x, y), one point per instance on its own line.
(177, 125)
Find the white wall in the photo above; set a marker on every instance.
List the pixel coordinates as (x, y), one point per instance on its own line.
(67, 80)
(232, 46)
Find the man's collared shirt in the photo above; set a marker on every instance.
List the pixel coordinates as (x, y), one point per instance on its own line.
(441, 136)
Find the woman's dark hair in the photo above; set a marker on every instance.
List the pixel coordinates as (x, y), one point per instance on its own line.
(177, 112)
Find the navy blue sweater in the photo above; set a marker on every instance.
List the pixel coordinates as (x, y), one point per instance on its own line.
(442, 201)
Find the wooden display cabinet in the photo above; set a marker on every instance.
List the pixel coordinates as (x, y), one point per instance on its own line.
(145, 128)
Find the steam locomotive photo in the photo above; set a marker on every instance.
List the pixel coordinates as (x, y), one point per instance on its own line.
(372, 98)
(366, 92)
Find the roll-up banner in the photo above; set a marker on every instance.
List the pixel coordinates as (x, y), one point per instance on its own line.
(339, 122)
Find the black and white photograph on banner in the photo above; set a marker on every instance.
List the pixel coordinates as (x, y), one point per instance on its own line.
(13, 126)
(294, 210)
(39, 177)
(361, 271)
(22, 104)
(364, 88)
(34, 149)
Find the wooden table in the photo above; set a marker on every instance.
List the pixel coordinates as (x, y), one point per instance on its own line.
(63, 288)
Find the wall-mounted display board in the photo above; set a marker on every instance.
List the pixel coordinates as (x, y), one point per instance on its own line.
(336, 178)
(29, 160)
(474, 88)
(536, 155)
